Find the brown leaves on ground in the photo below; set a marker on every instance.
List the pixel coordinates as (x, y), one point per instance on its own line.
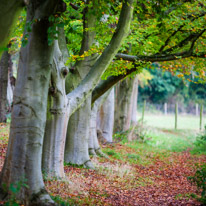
(4, 133)
(117, 182)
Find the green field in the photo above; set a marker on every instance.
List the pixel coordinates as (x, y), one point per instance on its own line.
(168, 121)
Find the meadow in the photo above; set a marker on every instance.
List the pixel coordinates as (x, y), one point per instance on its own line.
(185, 121)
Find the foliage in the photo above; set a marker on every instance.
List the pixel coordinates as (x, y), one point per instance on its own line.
(14, 189)
(112, 153)
(167, 87)
(200, 143)
(161, 87)
(199, 179)
(17, 38)
(60, 201)
(158, 27)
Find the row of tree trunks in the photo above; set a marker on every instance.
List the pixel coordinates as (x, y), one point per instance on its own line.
(24, 155)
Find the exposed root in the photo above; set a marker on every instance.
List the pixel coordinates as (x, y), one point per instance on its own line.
(92, 152)
(3, 194)
(88, 164)
(101, 154)
(41, 198)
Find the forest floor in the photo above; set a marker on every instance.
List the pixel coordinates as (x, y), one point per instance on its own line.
(151, 170)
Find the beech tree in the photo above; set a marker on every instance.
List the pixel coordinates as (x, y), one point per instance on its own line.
(126, 98)
(4, 66)
(105, 118)
(24, 154)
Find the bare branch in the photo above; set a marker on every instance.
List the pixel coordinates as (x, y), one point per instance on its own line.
(74, 6)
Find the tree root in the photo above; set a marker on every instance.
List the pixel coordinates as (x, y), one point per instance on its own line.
(101, 154)
(88, 164)
(41, 198)
(92, 152)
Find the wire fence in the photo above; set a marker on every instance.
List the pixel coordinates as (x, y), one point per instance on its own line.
(169, 108)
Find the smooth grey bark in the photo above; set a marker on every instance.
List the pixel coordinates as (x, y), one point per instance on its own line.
(57, 119)
(76, 148)
(105, 118)
(94, 147)
(11, 83)
(123, 105)
(77, 151)
(134, 101)
(4, 66)
(9, 11)
(24, 154)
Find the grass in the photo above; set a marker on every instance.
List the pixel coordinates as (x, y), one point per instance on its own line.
(172, 140)
(186, 122)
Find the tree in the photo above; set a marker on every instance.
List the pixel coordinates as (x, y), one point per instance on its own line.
(125, 92)
(101, 122)
(4, 66)
(105, 118)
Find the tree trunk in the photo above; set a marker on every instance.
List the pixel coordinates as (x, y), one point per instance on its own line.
(4, 65)
(10, 85)
(105, 119)
(76, 150)
(57, 119)
(24, 154)
(134, 101)
(94, 147)
(123, 105)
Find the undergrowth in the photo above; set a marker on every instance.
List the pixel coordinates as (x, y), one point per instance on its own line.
(199, 179)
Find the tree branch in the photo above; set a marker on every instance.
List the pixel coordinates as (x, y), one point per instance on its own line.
(74, 6)
(105, 85)
(191, 37)
(169, 38)
(195, 39)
